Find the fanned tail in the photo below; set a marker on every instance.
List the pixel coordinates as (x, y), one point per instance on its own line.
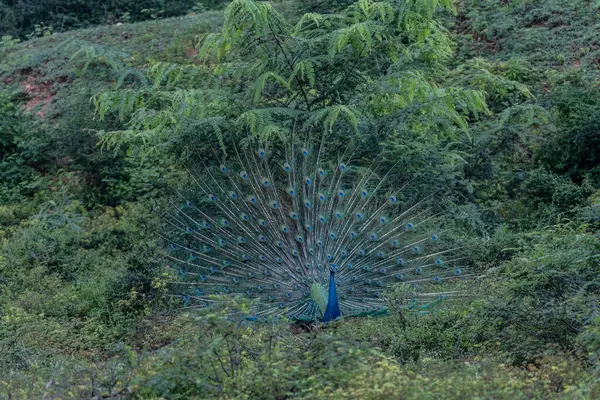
(271, 224)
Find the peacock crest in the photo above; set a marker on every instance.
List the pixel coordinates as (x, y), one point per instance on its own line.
(306, 233)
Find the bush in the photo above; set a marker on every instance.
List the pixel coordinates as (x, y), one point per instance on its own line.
(26, 17)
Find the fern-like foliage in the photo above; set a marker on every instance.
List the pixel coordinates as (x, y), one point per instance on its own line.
(340, 73)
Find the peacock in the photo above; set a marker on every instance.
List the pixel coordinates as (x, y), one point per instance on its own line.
(306, 233)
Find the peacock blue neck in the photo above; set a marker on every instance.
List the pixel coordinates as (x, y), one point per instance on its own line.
(333, 306)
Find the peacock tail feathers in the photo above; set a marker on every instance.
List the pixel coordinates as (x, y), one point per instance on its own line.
(282, 224)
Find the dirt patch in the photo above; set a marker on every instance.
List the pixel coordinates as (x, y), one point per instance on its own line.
(38, 92)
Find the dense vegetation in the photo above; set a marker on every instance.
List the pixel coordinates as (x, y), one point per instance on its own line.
(33, 18)
(493, 104)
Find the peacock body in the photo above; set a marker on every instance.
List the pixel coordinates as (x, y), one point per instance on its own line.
(305, 234)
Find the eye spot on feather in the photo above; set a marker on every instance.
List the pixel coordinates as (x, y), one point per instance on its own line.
(245, 257)
(350, 266)
(244, 175)
(293, 215)
(233, 195)
(410, 225)
(213, 269)
(223, 168)
(244, 217)
(322, 219)
(252, 199)
(305, 152)
(241, 239)
(380, 254)
(394, 243)
(221, 242)
(364, 193)
(206, 225)
(279, 260)
(361, 252)
(291, 192)
(189, 230)
(295, 253)
(436, 278)
(320, 243)
(366, 268)
(279, 243)
(400, 261)
(190, 204)
(338, 214)
(359, 216)
(393, 199)
(373, 236)
(299, 239)
(416, 249)
(262, 222)
(343, 252)
(383, 220)
(322, 197)
(308, 228)
(262, 238)
(212, 197)
(458, 271)
(224, 222)
(261, 153)
(434, 237)
(266, 182)
(262, 258)
(311, 251)
(418, 270)
(353, 235)
(274, 205)
(321, 172)
(343, 167)
(399, 276)
(307, 180)
(285, 229)
(438, 261)
(267, 272)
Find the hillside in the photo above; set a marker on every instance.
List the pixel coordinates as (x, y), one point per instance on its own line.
(492, 107)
